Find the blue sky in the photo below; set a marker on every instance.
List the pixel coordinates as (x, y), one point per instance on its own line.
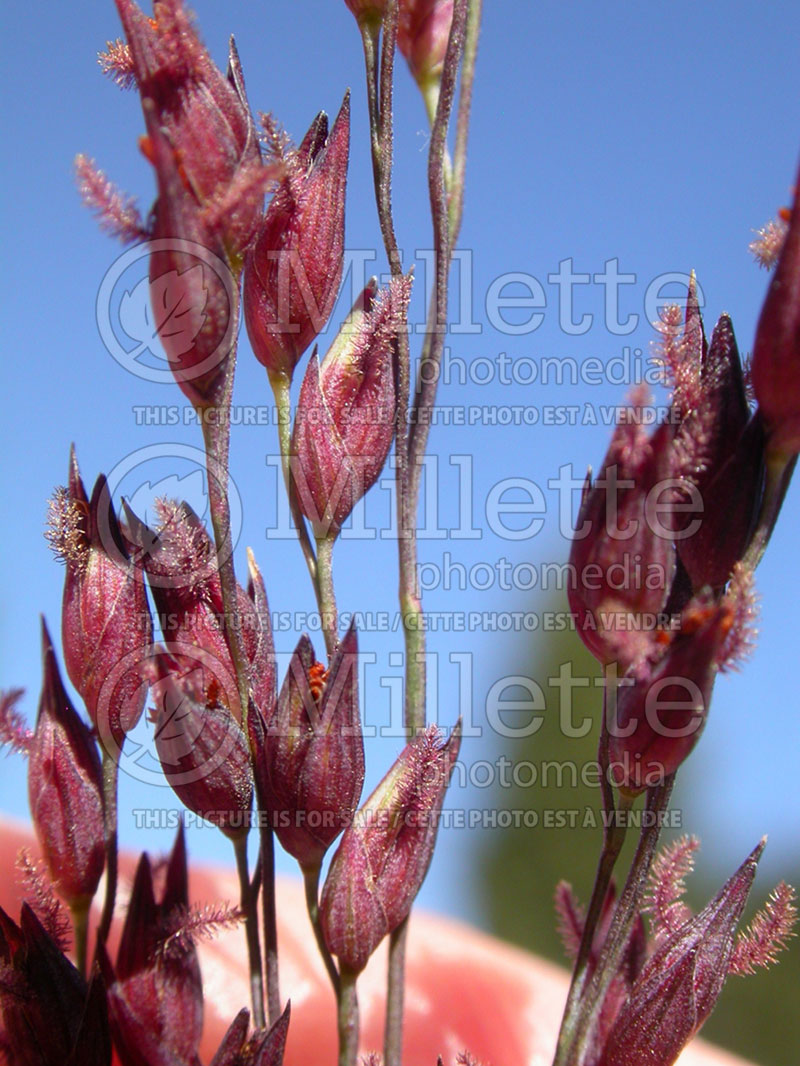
(654, 136)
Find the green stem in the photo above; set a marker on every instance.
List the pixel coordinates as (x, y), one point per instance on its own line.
(311, 883)
(409, 448)
(348, 1018)
(269, 912)
(425, 396)
(433, 347)
(382, 137)
(413, 618)
(248, 905)
(395, 996)
(327, 597)
(380, 102)
(436, 326)
(110, 780)
(370, 33)
(283, 405)
(79, 912)
(471, 34)
(430, 96)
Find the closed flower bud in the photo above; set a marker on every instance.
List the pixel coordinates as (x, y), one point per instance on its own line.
(51, 1017)
(731, 473)
(293, 270)
(776, 350)
(622, 560)
(661, 709)
(65, 789)
(201, 747)
(344, 424)
(383, 857)
(105, 622)
(310, 759)
(156, 996)
(264, 1047)
(422, 35)
(181, 567)
(202, 143)
(682, 980)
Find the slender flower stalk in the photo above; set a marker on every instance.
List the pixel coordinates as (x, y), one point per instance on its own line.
(311, 886)
(347, 1018)
(79, 912)
(280, 387)
(265, 696)
(327, 594)
(249, 909)
(110, 768)
(270, 923)
(410, 447)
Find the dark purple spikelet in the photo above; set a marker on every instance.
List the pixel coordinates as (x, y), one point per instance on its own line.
(344, 424)
(681, 981)
(65, 789)
(181, 565)
(264, 1047)
(729, 476)
(776, 350)
(51, 1016)
(106, 628)
(671, 513)
(293, 270)
(228, 1052)
(155, 996)
(203, 752)
(384, 855)
(622, 558)
(661, 708)
(309, 761)
(202, 144)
